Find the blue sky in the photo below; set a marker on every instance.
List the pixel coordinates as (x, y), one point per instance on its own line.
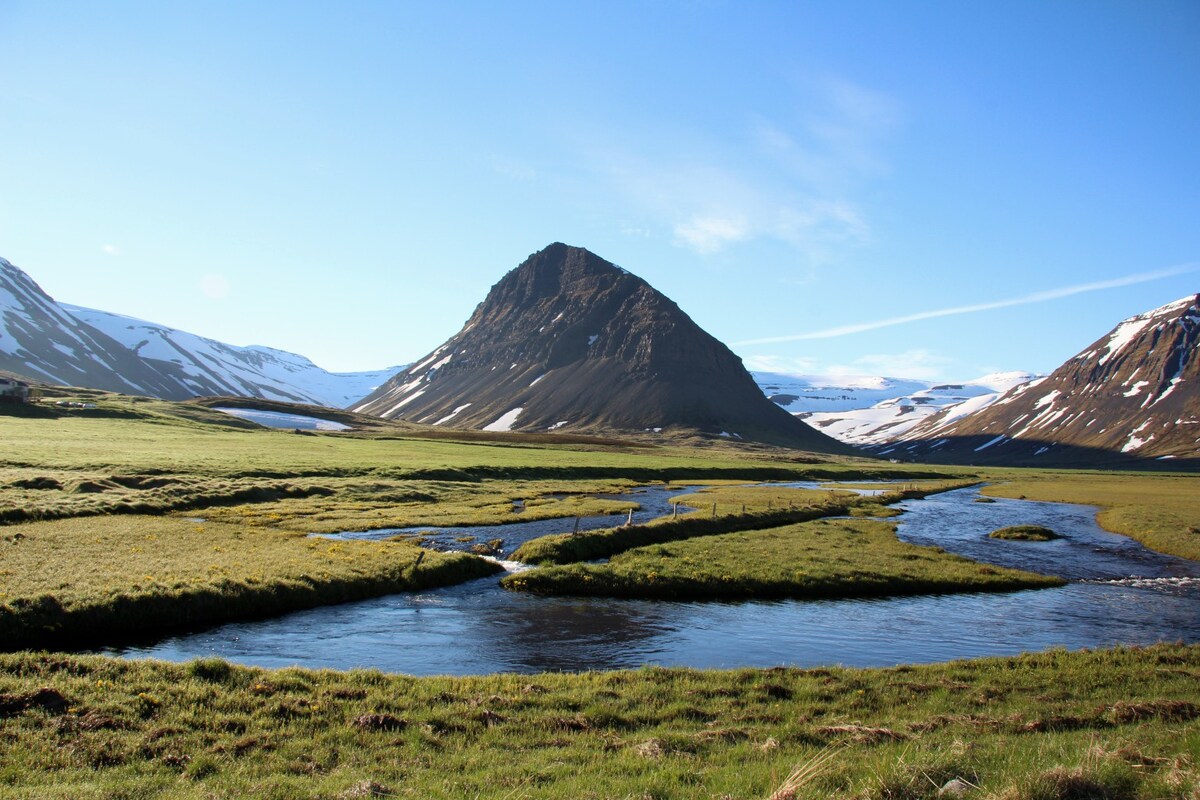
(997, 184)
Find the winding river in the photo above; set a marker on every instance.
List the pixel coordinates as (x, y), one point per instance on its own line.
(1120, 593)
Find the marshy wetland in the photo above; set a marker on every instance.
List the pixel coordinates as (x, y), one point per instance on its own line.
(131, 524)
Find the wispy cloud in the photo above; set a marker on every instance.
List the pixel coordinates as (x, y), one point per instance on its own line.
(708, 234)
(917, 363)
(792, 179)
(110, 249)
(1036, 297)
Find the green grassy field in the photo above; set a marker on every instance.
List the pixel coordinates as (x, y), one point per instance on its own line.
(100, 536)
(138, 435)
(1113, 724)
(819, 559)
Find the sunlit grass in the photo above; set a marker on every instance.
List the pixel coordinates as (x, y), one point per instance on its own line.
(825, 558)
(1123, 723)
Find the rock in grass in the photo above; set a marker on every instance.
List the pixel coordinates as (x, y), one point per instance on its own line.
(954, 788)
(1025, 533)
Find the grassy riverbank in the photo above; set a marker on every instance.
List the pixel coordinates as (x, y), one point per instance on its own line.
(1115, 724)
(71, 581)
(1160, 511)
(820, 559)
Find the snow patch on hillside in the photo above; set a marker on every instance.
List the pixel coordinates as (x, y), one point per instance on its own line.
(505, 422)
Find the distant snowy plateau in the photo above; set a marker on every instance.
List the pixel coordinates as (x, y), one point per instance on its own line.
(870, 410)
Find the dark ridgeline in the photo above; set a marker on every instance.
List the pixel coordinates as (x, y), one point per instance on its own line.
(578, 344)
(1130, 397)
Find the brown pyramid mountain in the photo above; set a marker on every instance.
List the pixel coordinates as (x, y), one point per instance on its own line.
(1133, 395)
(568, 341)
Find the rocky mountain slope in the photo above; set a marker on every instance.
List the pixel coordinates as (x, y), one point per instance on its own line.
(568, 341)
(1134, 394)
(76, 346)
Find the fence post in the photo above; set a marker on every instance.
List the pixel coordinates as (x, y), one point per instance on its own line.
(629, 519)
(674, 510)
(575, 530)
(714, 511)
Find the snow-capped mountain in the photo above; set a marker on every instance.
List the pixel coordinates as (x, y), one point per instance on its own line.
(252, 371)
(76, 346)
(569, 341)
(864, 423)
(1133, 394)
(41, 340)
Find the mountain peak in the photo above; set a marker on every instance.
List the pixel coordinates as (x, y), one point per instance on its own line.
(568, 340)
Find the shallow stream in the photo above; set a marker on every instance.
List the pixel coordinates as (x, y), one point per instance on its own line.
(1121, 593)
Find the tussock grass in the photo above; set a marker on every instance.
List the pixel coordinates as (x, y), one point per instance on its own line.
(1160, 511)
(820, 559)
(70, 581)
(28, 495)
(1044, 725)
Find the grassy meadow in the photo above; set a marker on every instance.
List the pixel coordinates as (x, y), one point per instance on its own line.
(144, 516)
(819, 559)
(1114, 724)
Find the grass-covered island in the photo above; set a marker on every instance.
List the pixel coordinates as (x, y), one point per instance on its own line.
(1025, 533)
(824, 558)
(1117, 724)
